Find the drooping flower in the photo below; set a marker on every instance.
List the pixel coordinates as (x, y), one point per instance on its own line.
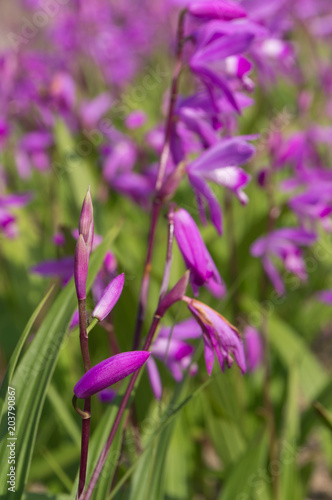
(253, 346)
(220, 337)
(203, 270)
(219, 164)
(285, 245)
(109, 371)
(171, 348)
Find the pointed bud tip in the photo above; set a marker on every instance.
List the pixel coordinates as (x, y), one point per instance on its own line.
(109, 298)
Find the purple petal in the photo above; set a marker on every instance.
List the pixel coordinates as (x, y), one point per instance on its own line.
(74, 320)
(135, 119)
(110, 297)
(107, 395)
(62, 268)
(203, 189)
(274, 275)
(253, 348)
(220, 49)
(216, 9)
(174, 295)
(229, 152)
(187, 329)
(109, 371)
(81, 263)
(154, 378)
(324, 296)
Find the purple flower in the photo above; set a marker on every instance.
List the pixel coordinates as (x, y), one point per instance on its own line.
(253, 346)
(324, 296)
(315, 203)
(108, 372)
(216, 9)
(209, 63)
(7, 218)
(220, 337)
(92, 111)
(109, 298)
(107, 395)
(135, 119)
(203, 270)
(219, 164)
(61, 268)
(283, 244)
(170, 348)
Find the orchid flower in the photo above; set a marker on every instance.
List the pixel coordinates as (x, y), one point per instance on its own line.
(285, 245)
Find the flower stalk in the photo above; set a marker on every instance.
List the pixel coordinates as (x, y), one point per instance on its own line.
(157, 203)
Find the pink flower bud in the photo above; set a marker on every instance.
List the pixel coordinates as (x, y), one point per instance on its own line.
(81, 267)
(109, 371)
(109, 298)
(86, 225)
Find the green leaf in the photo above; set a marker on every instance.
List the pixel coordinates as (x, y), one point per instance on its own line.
(248, 478)
(324, 415)
(66, 417)
(293, 350)
(18, 349)
(148, 481)
(34, 372)
(289, 478)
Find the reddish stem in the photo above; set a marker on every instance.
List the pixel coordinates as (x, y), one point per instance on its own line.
(122, 407)
(160, 179)
(87, 402)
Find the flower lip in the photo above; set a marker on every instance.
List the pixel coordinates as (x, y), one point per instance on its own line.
(109, 371)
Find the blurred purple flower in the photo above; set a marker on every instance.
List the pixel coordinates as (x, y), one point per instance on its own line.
(135, 119)
(170, 348)
(324, 296)
(285, 245)
(253, 346)
(60, 268)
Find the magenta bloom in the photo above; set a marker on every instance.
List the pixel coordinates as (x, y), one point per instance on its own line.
(108, 372)
(170, 348)
(61, 268)
(253, 345)
(219, 164)
(109, 298)
(7, 218)
(324, 296)
(216, 9)
(220, 337)
(135, 119)
(203, 270)
(285, 245)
